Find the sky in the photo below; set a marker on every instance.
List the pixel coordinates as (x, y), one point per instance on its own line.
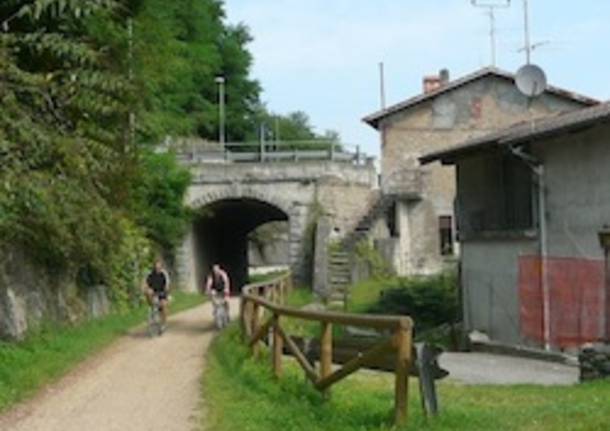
(322, 56)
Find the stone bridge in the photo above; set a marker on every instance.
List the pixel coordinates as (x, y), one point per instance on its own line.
(232, 199)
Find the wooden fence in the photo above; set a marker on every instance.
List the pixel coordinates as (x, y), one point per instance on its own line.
(262, 313)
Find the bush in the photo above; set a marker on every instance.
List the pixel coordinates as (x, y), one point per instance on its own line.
(430, 301)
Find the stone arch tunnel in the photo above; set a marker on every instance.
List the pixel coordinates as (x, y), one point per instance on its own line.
(221, 235)
(233, 199)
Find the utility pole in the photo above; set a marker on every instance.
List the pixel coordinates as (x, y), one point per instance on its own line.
(528, 43)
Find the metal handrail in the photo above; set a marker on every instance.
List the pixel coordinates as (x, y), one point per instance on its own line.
(273, 151)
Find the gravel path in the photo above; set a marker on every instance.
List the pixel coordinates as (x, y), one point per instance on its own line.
(489, 369)
(137, 384)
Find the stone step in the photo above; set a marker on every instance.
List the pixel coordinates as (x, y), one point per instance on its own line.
(343, 271)
(341, 281)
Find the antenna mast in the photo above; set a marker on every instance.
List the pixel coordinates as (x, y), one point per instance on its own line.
(528, 43)
(491, 7)
(382, 85)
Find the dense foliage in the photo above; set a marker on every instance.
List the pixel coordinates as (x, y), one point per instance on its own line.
(87, 88)
(431, 301)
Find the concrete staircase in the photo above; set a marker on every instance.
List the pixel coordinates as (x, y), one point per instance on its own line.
(339, 276)
(341, 255)
(378, 208)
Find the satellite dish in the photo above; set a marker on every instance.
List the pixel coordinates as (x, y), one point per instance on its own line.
(531, 80)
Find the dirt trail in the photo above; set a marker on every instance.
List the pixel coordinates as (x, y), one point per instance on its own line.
(137, 384)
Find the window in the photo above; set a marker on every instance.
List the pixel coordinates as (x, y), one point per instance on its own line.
(495, 194)
(391, 221)
(445, 228)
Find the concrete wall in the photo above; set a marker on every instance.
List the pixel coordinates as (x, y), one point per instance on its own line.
(577, 172)
(578, 206)
(473, 110)
(490, 274)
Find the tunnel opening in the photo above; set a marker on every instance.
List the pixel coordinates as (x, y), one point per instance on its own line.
(222, 233)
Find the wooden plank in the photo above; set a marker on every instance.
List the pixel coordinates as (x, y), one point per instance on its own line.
(365, 320)
(255, 326)
(278, 347)
(261, 332)
(403, 363)
(355, 364)
(310, 372)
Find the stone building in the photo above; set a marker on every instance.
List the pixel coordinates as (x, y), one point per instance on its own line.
(445, 114)
(534, 226)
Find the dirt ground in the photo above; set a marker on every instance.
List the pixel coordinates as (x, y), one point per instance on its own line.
(137, 384)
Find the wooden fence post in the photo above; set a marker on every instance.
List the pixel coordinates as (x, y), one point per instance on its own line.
(403, 363)
(242, 317)
(326, 350)
(278, 347)
(255, 326)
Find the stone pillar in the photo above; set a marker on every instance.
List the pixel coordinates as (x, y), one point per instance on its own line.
(320, 270)
(298, 244)
(186, 265)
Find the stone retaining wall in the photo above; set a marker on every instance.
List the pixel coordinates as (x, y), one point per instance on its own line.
(31, 294)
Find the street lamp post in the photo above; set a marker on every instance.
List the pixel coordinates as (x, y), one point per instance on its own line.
(220, 80)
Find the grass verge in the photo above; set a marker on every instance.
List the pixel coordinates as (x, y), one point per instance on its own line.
(241, 394)
(52, 351)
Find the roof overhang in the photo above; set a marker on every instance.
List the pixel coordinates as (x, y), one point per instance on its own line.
(537, 130)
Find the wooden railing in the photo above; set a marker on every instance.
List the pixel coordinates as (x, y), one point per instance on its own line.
(262, 313)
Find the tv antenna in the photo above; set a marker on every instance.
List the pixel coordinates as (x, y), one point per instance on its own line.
(491, 6)
(530, 79)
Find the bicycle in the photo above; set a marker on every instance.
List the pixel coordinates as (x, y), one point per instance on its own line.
(155, 327)
(221, 307)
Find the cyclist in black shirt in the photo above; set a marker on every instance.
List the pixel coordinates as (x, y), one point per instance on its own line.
(157, 284)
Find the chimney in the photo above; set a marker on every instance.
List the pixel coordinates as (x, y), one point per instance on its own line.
(444, 77)
(434, 82)
(431, 83)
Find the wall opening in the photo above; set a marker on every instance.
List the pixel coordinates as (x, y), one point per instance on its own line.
(445, 229)
(222, 235)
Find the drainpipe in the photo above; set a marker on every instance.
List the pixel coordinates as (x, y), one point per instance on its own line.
(538, 169)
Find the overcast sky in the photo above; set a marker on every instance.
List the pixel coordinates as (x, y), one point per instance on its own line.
(321, 56)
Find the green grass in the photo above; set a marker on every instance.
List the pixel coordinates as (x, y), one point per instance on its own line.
(241, 394)
(52, 351)
(366, 293)
(299, 298)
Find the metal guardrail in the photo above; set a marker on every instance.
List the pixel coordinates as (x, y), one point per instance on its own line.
(283, 151)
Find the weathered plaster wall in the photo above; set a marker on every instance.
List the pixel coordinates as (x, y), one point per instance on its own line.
(450, 119)
(577, 175)
(490, 275)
